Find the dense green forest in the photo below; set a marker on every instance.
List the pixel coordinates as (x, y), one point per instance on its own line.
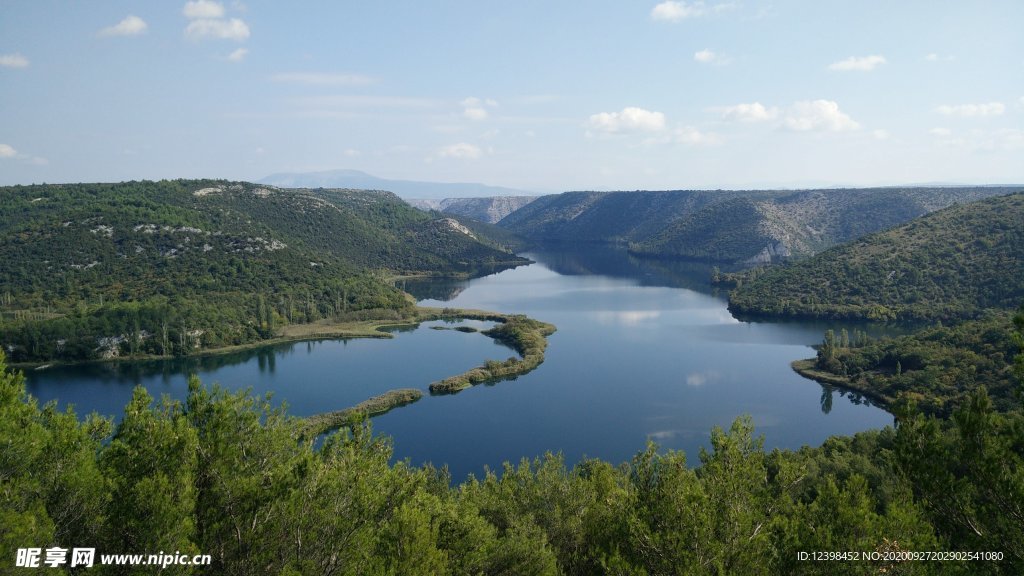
(171, 267)
(937, 368)
(950, 264)
(727, 226)
(227, 475)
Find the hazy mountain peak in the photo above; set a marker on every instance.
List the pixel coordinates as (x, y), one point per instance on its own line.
(347, 178)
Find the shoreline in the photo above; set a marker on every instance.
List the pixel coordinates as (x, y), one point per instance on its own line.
(321, 329)
(806, 369)
(527, 336)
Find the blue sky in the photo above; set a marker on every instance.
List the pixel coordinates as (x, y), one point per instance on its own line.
(538, 95)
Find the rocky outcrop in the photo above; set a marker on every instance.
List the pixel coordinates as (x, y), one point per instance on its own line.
(490, 209)
(770, 253)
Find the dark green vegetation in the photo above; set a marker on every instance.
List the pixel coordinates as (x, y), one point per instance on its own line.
(225, 474)
(525, 335)
(742, 227)
(951, 264)
(935, 368)
(174, 267)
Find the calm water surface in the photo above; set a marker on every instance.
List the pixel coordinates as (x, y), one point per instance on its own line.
(643, 351)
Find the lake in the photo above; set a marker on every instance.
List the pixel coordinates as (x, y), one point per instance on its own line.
(644, 350)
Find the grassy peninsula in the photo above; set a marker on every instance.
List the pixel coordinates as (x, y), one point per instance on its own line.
(327, 421)
(525, 335)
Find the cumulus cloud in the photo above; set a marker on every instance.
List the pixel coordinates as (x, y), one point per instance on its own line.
(15, 60)
(818, 115)
(238, 55)
(203, 9)
(858, 63)
(233, 29)
(709, 57)
(130, 26)
(7, 152)
(629, 120)
(461, 151)
(880, 134)
(322, 79)
(674, 11)
(941, 132)
(972, 110)
(475, 108)
(753, 112)
(207, 20)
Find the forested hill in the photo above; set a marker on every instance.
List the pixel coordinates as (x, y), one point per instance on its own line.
(166, 267)
(744, 227)
(949, 264)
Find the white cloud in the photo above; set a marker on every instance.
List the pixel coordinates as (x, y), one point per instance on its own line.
(207, 20)
(130, 26)
(629, 120)
(708, 57)
(15, 60)
(693, 137)
(238, 55)
(880, 134)
(351, 153)
(818, 115)
(322, 79)
(8, 151)
(233, 29)
(942, 132)
(475, 113)
(462, 151)
(203, 9)
(972, 110)
(754, 112)
(933, 57)
(475, 108)
(858, 63)
(674, 11)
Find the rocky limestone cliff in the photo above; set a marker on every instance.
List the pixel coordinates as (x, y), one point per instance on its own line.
(490, 209)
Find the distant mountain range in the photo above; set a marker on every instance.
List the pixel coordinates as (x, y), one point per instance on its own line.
(741, 227)
(406, 189)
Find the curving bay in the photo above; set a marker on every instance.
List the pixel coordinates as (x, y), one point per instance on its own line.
(643, 350)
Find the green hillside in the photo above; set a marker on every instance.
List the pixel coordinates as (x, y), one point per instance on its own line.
(736, 227)
(172, 266)
(936, 368)
(953, 263)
